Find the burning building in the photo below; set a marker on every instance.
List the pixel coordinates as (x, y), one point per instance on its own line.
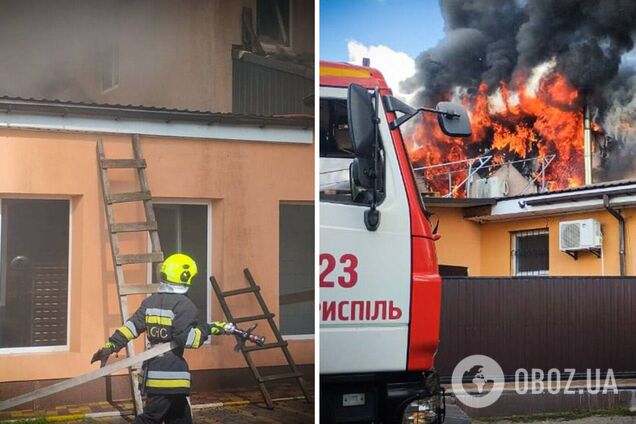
(549, 87)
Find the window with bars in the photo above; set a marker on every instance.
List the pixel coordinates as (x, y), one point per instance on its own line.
(530, 252)
(34, 256)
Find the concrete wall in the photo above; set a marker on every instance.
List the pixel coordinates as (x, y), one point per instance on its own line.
(174, 54)
(485, 248)
(236, 177)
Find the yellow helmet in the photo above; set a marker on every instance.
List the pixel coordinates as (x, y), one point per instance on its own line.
(178, 269)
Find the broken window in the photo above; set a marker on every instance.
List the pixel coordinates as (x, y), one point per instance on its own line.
(272, 21)
(110, 67)
(183, 228)
(296, 269)
(530, 253)
(34, 256)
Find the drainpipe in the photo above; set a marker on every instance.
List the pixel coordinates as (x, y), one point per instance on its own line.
(587, 145)
(621, 231)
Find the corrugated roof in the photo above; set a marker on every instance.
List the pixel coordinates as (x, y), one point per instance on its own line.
(608, 184)
(117, 111)
(451, 202)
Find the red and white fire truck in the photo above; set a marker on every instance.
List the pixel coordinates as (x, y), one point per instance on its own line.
(380, 290)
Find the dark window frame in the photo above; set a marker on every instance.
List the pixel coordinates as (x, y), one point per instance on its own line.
(3, 282)
(208, 263)
(297, 296)
(521, 254)
(283, 25)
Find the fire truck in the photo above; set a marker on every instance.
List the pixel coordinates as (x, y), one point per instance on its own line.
(380, 290)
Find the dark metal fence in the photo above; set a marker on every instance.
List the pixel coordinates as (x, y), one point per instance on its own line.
(540, 322)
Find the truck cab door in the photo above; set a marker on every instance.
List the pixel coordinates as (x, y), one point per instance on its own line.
(365, 275)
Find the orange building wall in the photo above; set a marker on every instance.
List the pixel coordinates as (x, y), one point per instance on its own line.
(466, 243)
(496, 242)
(245, 181)
(460, 242)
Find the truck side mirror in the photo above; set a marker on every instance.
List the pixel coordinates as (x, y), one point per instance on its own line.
(453, 119)
(363, 127)
(361, 120)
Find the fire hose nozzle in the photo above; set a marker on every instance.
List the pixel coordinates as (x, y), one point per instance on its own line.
(243, 335)
(258, 340)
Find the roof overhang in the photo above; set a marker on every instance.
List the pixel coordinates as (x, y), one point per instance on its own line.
(116, 119)
(587, 200)
(450, 202)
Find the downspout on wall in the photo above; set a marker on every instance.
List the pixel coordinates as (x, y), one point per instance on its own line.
(621, 232)
(587, 145)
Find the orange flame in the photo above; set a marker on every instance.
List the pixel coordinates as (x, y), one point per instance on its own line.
(522, 125)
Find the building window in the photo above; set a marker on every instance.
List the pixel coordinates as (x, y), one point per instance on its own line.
(530, 253)
(34, 257)
(110, 67)
(184, 228)
(296, 269)
(272, 21)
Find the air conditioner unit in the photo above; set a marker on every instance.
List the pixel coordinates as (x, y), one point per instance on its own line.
(491, 187)
(583, 234)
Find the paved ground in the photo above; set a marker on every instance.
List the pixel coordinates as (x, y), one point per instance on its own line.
(286, 412)
(239, 405)
(589, 420)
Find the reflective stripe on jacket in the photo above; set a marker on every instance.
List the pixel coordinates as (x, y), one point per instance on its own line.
(165, 317)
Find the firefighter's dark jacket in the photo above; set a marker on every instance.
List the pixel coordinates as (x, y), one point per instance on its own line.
(165, 317)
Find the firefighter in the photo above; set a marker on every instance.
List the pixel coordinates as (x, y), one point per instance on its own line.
(166, 316)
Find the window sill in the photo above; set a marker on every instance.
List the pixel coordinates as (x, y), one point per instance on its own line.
(532, 274)
(34, 349)
(299, 337)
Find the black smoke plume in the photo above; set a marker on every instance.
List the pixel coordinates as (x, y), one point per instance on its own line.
(487, 41)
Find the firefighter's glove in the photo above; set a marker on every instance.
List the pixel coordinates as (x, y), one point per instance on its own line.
(103, 353)
(217, 328)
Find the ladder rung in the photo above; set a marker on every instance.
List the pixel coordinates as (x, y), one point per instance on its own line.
(253, 318)
(129, 289)
(129, 197)
(240, 291)
(133, 226)
(139, 258)
(265, 346)
(275, 377)
(123, 163)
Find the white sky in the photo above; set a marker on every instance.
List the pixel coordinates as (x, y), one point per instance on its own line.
(395, 66)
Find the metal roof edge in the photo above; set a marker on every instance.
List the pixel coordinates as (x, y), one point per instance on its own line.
(622, 195)
(61, 108)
